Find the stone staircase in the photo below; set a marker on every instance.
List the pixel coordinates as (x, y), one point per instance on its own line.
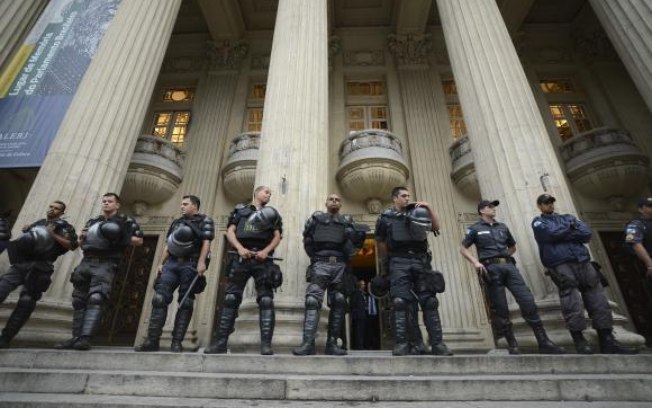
(121, 377)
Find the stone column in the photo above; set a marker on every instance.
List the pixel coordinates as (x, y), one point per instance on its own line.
(92, 149)
(462, 309)
(293, 156)
(16, 20)
(514, 157)
(627, 24)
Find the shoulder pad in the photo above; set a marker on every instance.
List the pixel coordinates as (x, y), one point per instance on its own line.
(317, 214)
(388, 212)
(240, 206)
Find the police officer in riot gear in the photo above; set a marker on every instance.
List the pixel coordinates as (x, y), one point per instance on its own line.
(562, 240)
(254, 230)
(103, 241)
(401, 234)
(184, 258)
(496, 267)
(329, 239)
(32, 255)
(638, 237)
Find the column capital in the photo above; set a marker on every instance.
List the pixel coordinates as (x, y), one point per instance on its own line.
(594, 46)
(410, 49)
(226, 54)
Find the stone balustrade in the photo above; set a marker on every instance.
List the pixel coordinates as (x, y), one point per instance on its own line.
(371, 164)
(239, 172)
(463, 172)
(155, 171)
(605, 163)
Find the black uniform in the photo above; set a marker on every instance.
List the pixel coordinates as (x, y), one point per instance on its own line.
(411, 280)
(5, 233)
(492, 242)
(92, 280)
(32, 255)
(185, 238)
(639, 231)
(329, 240)
(266, 276)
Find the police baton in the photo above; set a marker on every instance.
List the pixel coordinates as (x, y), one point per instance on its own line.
(192, 285)
(272, 258)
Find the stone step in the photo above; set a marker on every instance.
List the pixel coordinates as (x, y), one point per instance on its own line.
(359, 377)
(371, 364)
(545, 387)
(40, 400)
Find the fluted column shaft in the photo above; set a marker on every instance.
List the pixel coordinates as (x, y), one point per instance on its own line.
(628, 24)
(16, 19)
(92, 149)
(461, 307)
(513, 155)
(294, 143)
(511, 148)
(206, 139)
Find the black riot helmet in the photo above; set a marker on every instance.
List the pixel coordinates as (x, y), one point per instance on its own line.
(379, 287)
(419, 217)
(264, 219)
(111, 231)
(180, 242)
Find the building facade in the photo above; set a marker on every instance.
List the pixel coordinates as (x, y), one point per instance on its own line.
(456, 99)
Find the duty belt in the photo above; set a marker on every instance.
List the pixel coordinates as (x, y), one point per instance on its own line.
(182, 258)
(329, 259)
(496, 260)
(408, 254)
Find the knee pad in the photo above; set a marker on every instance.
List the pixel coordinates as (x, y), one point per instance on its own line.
(312, 303)
(232, 301)
(400, 304)
(159, 300)
(26, 301)
(429, 303)
(187, 304)
(338, 301)
(96, 299)
(266, 303)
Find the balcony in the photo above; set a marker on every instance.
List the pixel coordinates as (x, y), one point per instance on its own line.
(605, 163)
(239, 172)
(463, 173)
(155, 171)
(371, 164)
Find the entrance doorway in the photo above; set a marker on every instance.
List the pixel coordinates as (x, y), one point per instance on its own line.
(369, 317)
(121, 314)
(630, 276)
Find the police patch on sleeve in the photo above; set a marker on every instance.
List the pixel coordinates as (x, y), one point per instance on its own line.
(468, 231)
(536, 223)
(629, 237)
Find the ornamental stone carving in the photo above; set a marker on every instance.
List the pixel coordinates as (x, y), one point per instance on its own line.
(239, 172)
(226, 55)
(182, 65)
(260, 61)
(155, 171)
(595, 46)
(605, 163)
(371, 164)
(410, 49)
(364, 57)
(463, 173)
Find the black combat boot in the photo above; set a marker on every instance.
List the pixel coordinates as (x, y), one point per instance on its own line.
(512, 344)
(181, 323)
(24, 308)
(546, 346)
(581, 345)
(77, 323)
(310, 324)
(222, 331)
(335, 321)
(433, 326)
(92, 321)
(415, 338)
(401, 345)
(609, 344)
(267, 320)
(155, 330)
